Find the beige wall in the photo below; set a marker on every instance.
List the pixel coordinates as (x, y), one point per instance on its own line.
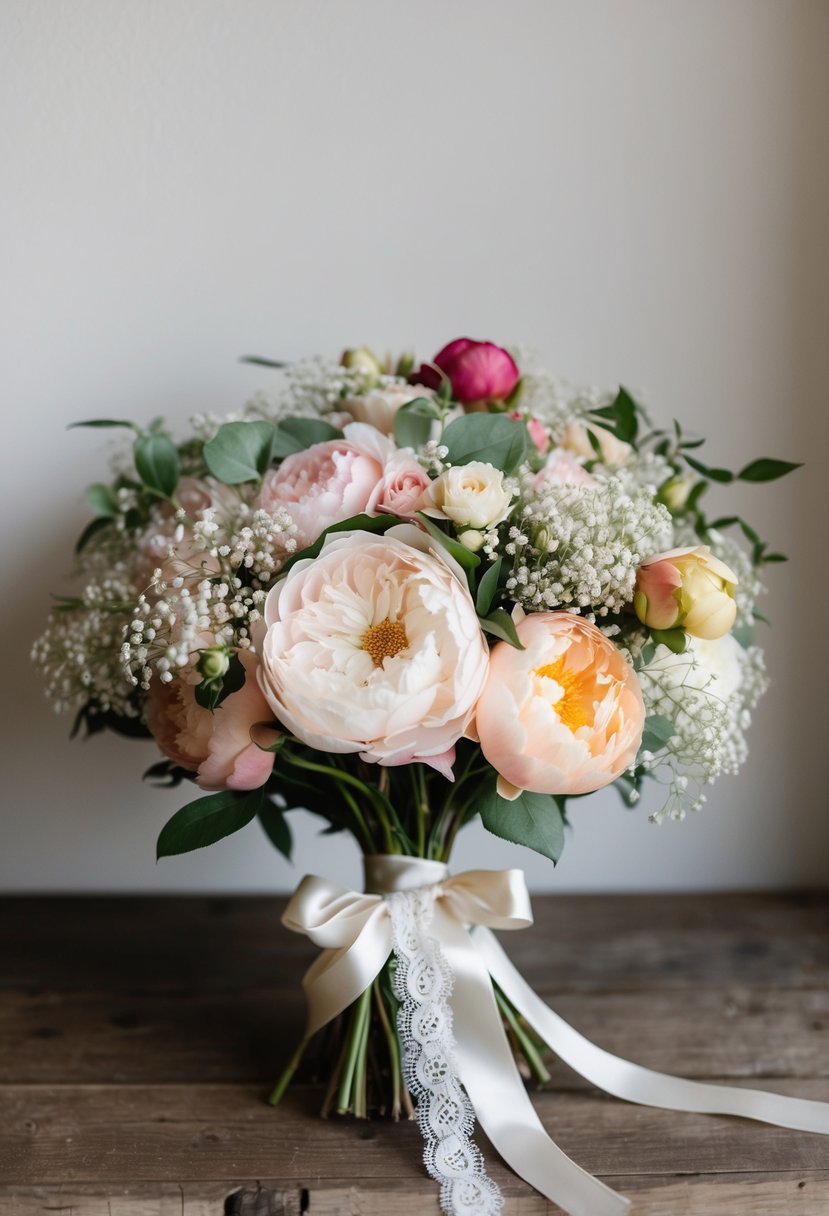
(637, 188)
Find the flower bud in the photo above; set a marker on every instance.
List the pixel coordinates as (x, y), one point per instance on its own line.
(479, 372)
(362, 359)
(405, 364)
(687, 588)
(471, 539)
(674, 492)
(213, 663)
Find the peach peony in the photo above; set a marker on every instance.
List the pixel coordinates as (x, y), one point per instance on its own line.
(563, 716)
(215, 745)
(374, 647)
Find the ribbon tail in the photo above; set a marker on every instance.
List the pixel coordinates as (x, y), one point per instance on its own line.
(502, 1106)
(631, 1082)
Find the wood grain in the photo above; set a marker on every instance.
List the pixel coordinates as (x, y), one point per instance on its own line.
(138, 1039)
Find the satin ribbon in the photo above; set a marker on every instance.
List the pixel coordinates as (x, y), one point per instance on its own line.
(354, 931)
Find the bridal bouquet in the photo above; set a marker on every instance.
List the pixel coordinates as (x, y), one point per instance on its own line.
(402, 597)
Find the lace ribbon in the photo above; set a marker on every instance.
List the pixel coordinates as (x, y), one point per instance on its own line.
(423, 986)
(453, 1035)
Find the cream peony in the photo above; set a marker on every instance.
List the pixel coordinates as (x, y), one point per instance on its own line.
(374, 647)
(613, 452)
(379, 407)
(563, 716)
(470, 495)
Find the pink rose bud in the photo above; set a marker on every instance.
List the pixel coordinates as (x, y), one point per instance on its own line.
(687, 588)
(477, 371)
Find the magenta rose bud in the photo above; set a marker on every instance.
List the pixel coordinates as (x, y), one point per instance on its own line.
(477, 371)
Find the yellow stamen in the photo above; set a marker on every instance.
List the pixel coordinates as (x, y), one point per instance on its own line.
(384, 641)
(571, 707)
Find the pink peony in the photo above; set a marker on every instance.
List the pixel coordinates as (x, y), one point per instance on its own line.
(478, 371)
(215, 745)
(564, 715)
(324, 485)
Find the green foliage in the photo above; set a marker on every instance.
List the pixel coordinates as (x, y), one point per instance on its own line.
(91, 530)
(675, 639)
(296, 434)
(657, 733)
(275, 827)
(501, 625)
(102, 499)
(465, 558)
(766, 469)
(104, 422)
(488, 587)
(207, 820)
(413, 422)
(621, 417)
(492, 438)
(534, 820)
(356, 523)
(157, 463)
(240, 451)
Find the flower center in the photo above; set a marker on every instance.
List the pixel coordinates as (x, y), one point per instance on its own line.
(384, 641)
(571, 708)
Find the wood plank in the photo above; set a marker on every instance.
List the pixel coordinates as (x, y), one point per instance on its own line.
(579, 942)
(189, 1035)
(178, 1133)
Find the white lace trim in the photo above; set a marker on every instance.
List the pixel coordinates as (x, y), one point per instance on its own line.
(423, 985)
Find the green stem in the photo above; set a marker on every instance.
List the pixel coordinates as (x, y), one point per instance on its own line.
(344, 779)
(353, 1043)
(287, 1073)
(394, 1050)
(528, 1048)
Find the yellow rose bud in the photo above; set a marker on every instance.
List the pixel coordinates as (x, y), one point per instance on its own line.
(687, 588)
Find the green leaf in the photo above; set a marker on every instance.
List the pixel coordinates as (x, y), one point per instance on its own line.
(533, 820)
(765, 469)
(501, 625)
(103, 422)
(102, 500)
(463, 556)
(657, 733)
(492, 438)
(744, 635)
(207, 820)
(156, 460)
(296, 434)
(356, 523)
(276, 827)
(240, 451)
(260, 361)
(92, 529)
(675, 639)
(773, 557)
(487, 587)
(413, 422)
(621, 416)
(722, 475)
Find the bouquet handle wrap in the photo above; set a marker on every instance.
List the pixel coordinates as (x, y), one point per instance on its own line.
(450, 918)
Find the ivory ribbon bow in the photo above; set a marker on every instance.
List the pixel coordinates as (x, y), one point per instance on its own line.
(355, 932)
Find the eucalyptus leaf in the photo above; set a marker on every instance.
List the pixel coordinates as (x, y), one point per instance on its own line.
(534, 820)
(157, 463)
(413, 422)
(207, 820)
(102, 499)
(492, 438)
(657, 733)
(297, 434)
(240, 451)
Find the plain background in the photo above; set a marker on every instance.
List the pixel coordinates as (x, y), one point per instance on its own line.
(639, 190)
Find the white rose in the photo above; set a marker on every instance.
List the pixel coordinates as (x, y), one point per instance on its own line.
(470, 495)
(379, 407)
(374, 647)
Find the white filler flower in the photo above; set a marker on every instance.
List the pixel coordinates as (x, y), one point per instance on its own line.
(374, 647)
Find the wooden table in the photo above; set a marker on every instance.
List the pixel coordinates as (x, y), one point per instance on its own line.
(139, 1038)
